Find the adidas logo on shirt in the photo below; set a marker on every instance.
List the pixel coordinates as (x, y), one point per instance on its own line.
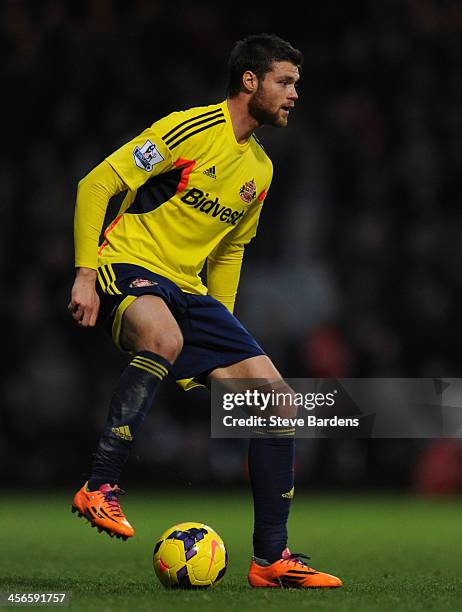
(211, 172)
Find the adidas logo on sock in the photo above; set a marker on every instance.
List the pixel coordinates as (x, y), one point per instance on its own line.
(289, 494)
(123, 432)
(211, 172)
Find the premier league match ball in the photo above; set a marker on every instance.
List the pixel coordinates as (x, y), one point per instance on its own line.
(190, 556)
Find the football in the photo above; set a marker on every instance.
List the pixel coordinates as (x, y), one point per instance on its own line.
(190, 556)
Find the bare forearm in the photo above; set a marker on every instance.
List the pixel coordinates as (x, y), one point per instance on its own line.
(87, 273)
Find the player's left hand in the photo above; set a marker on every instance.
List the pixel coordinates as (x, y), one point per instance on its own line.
(84, 304)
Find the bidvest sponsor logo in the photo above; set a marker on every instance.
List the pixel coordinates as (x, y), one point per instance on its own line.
(200, 200)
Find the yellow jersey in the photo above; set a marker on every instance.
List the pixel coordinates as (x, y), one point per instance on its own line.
(192, 188)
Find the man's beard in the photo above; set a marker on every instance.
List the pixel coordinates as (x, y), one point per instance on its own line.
(260, 113)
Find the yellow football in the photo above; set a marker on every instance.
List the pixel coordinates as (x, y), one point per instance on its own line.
(189, 556)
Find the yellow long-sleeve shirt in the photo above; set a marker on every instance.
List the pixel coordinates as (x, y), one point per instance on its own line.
(194, 194)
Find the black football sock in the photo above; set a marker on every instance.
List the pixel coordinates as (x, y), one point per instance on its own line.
(129, 405)
(271, 468)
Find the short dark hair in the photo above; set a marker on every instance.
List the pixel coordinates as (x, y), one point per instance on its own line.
(257, 53)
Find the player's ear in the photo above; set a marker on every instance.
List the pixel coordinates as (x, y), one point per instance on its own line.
(249, 81)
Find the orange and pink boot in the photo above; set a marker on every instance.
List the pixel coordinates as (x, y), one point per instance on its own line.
(102, 509)
(290, 571)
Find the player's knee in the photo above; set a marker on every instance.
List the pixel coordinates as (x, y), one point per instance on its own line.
(168, 346)
(278, 398)
(284, 405)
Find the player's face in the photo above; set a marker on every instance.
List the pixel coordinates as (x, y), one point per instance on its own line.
(276, 95)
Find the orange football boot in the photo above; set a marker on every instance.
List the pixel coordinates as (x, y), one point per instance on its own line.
(102, 509)
(290, 572)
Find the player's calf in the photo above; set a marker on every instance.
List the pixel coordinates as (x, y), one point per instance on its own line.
(131, 401)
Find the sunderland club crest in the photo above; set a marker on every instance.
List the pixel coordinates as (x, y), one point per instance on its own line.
(142, 282)
(248, 191)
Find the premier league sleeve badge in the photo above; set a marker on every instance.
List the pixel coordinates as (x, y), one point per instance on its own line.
(147, 156)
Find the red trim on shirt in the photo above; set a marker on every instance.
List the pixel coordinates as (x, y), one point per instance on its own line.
(188, 168)
(110, 228)
(262, 196)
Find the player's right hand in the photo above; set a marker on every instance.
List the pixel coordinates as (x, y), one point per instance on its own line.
(84, 304)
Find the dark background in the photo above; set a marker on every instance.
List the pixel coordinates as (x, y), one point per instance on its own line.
(355, 271)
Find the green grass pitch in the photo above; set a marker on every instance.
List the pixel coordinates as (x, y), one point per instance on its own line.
(394, 553)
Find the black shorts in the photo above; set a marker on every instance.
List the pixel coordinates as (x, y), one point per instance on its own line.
(212, 336)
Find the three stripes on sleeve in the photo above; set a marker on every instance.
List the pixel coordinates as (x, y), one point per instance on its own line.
(186, 128)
